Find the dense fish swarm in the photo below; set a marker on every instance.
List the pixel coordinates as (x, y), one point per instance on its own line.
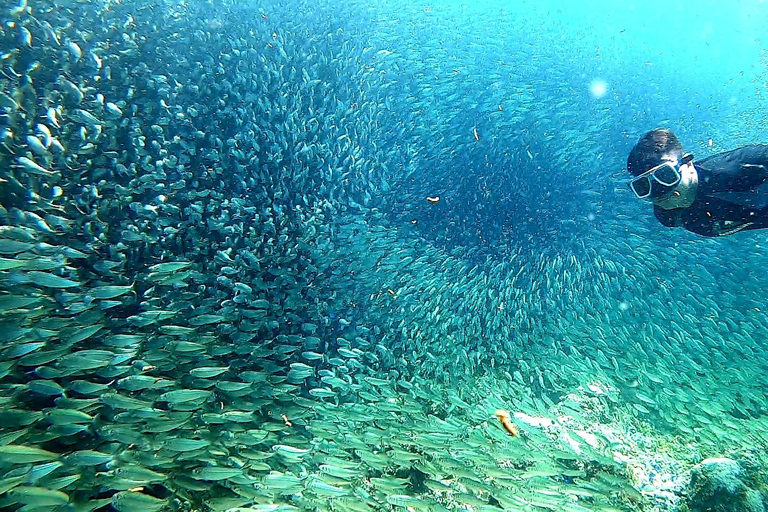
(222, 286)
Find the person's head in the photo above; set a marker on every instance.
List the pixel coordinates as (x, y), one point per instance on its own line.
(655, 164)
(654, 148)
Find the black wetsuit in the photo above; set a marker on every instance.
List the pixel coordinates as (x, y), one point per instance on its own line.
(732, 194)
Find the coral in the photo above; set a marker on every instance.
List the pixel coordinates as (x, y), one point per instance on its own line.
(717, 485)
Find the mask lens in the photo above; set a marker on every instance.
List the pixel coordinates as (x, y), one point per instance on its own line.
(641, 187)
(667, 175)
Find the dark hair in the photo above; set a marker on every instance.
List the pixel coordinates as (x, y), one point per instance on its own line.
(650, 149)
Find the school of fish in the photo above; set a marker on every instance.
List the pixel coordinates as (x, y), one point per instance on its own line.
(294, 255)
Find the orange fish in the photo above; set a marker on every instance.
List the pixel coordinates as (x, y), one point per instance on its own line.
(506, 422)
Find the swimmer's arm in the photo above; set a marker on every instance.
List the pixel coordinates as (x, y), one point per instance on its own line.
(752, 169)
(669, 218)
(734, 171)
(681, 217)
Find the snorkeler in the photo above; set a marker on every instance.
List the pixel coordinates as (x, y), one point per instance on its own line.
(717, 196)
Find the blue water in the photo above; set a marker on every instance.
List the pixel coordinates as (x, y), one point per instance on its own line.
(522, 76)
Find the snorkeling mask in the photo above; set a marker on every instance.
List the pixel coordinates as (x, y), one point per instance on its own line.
(660, 180)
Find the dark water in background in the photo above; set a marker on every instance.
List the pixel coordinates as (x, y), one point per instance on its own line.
(232, 270)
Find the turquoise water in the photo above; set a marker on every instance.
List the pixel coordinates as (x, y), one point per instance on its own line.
(369, 256)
